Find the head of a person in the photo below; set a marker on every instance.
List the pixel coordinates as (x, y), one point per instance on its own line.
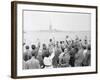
(89, 47)
(80, 40)
(33, 54)
(85, 41)
(84, 47)
(50, 40)
(72, 51)
(25, 58)
(72, 46)
(72, 41)
(50, 50)
(24, 44)
(60, 42)
(27, 47)
(44, 46)
(57, 43)
(67, 36)
(62, 49)
(79, 46)
(76, 50)
(65, 50)
(33, 46)
(47, 53)
(30, 56)
(69, 48)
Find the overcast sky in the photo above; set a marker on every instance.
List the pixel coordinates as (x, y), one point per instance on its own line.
(36, 20)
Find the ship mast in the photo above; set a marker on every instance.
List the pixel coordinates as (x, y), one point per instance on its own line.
(50, 26)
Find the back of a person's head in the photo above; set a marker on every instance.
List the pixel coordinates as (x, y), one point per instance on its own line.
(46, 53)
(84, 47)
(67, 36)
(25, 58)
(89, 47)
(72, 51)
(73, 46)
(62, 49)
(76, 50)
(33, 46)
(30, 56)
(60, 42)
(50, 40)
(24, 44)
(44, 46)
(27, 47)
(85, 41)
(33, 53)
(80, 40)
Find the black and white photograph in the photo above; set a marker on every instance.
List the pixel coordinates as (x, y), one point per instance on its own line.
(54, 39)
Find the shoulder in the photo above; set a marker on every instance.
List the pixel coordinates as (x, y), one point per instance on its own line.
(60, 56)
(37, 61)
(28, 62)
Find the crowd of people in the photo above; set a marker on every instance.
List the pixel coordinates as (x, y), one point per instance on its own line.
(57, 54)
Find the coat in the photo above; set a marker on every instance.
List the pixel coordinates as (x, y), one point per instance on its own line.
(79, 58)
(33, 63)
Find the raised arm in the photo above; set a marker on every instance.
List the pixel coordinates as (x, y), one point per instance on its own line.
(52, 54)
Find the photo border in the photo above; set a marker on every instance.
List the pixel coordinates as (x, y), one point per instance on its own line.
(14, 37)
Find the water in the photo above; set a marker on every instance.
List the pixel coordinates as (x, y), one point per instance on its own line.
(33, 37)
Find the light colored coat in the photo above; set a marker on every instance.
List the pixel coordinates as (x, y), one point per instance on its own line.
(32, 63)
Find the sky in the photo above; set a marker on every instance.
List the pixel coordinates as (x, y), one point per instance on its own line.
(67, 21)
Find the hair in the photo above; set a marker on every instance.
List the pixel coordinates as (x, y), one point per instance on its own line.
(25, 57)
(24, 43)
(30, 57)
(67, 36)
(33, 46)
(73, 46)
(27, 47)
(50, 40)
(76, 50)
(62, 49)
(60, 42)
(84, 47)
(89, 47)
(47, 54)
(33, 53)
(85, 40)
(44, 46)
(66, 49)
